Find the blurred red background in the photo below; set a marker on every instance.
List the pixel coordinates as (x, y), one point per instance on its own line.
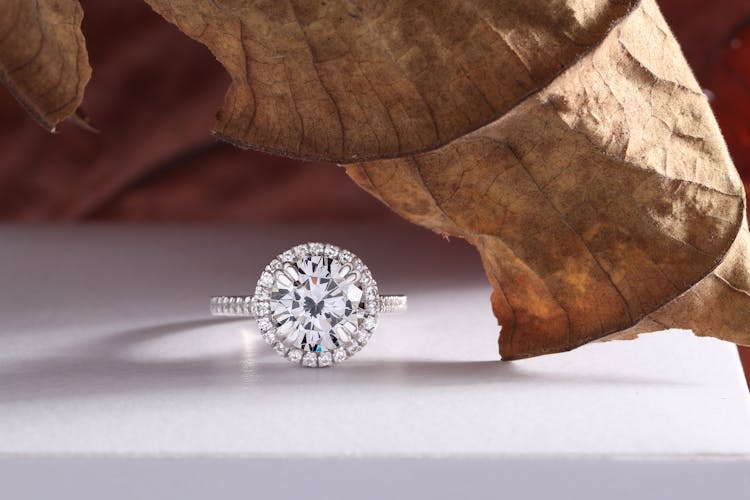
(154, 93)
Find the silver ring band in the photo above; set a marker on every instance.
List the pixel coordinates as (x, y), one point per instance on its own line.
(242, 305)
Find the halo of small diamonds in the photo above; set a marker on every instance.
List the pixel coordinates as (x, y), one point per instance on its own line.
(316, 304)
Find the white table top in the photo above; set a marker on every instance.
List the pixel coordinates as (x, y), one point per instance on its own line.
(106, 349)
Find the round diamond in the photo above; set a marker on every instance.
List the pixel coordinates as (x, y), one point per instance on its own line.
(316, 305)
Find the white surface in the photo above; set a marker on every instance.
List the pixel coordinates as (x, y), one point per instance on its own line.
(106, 349)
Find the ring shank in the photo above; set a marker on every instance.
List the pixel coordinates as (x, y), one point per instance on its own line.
(392, 303)
(232, 305)
(241, 305)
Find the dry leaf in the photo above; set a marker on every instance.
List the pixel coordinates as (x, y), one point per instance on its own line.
(566, 139)
(43, 59)
(352, 81)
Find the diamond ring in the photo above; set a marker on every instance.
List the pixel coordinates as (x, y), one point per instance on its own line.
(315, 304)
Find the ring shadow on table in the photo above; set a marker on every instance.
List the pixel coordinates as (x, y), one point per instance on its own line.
(111, 365)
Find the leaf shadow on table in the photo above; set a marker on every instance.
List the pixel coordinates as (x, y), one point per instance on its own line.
(113, 365)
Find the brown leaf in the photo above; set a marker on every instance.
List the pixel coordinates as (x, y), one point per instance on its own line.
(567, 140)
(597, 203)
(347, 81)
(43, 59)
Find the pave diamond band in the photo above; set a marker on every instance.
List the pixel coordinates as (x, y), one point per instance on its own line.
(392, 303)
(242, 305)
(315, 304)
(232, 305)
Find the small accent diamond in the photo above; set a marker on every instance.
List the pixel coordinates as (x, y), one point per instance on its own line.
(367, 277)
(287, 256)
(281, 348)
(261, 308)
(269, 337)
(295, 355)
(266, 279)
(274, 265)
(264, 324)
(261, 293)
(324, 358)
(310, 359)
(364, 337)
(339, 355)
(370, 322)
(353, 349)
